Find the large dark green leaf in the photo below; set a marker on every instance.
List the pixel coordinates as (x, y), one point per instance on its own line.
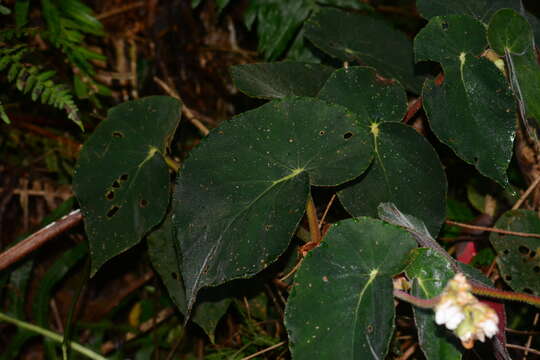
(518, 257)
(281, 79)
(121, 179)
(431, 272)
(511, 36)
(341, 305)
(473, 111)
(509, 31)
(366, 40)
(406, 170)
(360, 90)
(242, 192)
(479, 9)
(212, 303)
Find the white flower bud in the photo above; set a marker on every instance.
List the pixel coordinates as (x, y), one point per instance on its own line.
(460, 311)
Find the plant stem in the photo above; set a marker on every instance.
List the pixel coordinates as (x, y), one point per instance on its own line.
(173, 165)
(418, 302)
(311, 213)
(51, 335)
(505, 295)
(490, 229)
(39, 238)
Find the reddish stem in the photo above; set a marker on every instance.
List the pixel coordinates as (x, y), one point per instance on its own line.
(413, 109)
(38, 239)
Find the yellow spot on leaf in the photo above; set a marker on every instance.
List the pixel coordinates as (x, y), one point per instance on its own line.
(374, 128)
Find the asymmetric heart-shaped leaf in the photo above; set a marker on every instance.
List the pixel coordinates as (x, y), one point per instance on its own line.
(212, 303)
(473, 111)
(518, 257)
(366, 40)
(341, 305)
(242, 192)
(482, 10)
(478, 9)
(360, 90)
(406, 169)
(511, 36)
(281, 79)
(121, 179)
(431, 273)
(509, 31)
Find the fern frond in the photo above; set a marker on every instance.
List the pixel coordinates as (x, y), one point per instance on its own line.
(17, 33)
(33, 79)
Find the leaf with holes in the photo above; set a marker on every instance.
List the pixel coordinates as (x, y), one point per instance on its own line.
(511, 36)
(481, 10)
(519, 257)
(212, 303)
(121, 179)
(242, 192)
(473, 111)
(406, 169)
(341, 305)
(431, 272)
(365, 40)
(278, 80)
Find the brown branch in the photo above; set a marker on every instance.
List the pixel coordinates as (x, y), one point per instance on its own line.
(187, 112)
(146, 326)
(519, 347)
(529, 339)
(328, 206)
(490, 229)
(39, 238)
(270, 348)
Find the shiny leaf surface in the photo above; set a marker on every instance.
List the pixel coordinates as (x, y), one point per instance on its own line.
(341, 305)
(473, 111)
(361, 91)
(406, 170)
(242, 192)
(511, 36)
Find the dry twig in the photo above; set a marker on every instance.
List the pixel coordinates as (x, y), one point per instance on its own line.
(490, 229)
(523, 197)
(188, 113)
(270, 348)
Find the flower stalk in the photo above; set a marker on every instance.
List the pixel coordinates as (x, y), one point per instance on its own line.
(459, 310)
